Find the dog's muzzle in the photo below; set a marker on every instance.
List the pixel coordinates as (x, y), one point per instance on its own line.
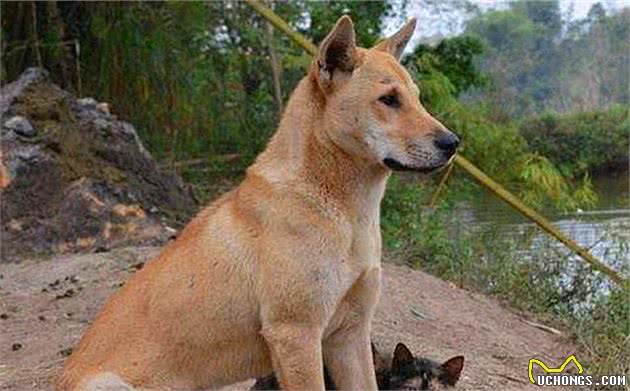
(395, 165)
(445, 145)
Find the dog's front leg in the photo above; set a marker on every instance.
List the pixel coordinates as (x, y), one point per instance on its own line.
(347, 351)
(348, 357)
(296, 353)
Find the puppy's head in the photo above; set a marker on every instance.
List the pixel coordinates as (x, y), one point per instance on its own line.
(372, 109)
(411, 373)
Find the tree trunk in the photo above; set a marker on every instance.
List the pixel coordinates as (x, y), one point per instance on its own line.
(34, 36)
(276, 68)
(63, 52)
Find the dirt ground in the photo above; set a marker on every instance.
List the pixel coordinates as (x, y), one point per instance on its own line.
(46, 305)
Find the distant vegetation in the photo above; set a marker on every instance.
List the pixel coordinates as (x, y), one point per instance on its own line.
(541, 104)
(540, 62)
(582, 142)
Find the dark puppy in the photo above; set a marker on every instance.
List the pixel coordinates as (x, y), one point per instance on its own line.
(410, 373)
(403, 372)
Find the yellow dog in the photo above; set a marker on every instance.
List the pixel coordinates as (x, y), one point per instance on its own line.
(282, 273)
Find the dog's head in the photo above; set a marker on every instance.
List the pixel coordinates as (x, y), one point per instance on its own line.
(372, 109)
(411, 373)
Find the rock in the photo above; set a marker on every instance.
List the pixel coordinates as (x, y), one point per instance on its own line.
(84, 183)
(21, 126)
(12, 90)
(14, 225)
(87, 102)
(103, 108)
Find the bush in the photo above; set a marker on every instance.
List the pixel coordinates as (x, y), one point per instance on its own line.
(581, 143)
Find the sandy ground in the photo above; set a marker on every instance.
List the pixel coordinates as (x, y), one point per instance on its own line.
(46, 305)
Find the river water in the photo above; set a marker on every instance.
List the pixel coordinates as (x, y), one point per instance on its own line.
(604, 229)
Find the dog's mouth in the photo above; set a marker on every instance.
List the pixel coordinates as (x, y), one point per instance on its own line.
(395, 165)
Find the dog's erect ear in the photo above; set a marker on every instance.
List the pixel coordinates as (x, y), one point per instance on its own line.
(453, 368)
(337, 52)
(395, 45)
(402, 357)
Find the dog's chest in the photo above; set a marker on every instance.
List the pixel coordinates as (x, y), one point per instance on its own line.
(365, 249)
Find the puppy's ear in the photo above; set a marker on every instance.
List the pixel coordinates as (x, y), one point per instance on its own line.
(337, 52)
(395, 45)
(453, 368)
(402, 357)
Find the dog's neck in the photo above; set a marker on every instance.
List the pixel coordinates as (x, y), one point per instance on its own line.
(301, 149)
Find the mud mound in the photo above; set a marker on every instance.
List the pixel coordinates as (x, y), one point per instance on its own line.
(74, 178)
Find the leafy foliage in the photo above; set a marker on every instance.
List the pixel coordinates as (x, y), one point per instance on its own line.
(580, 143)
(454, 57)
(366, 16)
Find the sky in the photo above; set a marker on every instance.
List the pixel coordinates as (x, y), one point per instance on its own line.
(581, 7)
(442, 19)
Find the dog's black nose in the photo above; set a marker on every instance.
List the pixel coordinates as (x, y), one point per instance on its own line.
(447, 141)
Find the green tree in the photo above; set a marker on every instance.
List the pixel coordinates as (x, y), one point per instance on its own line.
(454, 58)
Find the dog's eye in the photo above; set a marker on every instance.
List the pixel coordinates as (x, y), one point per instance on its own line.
(390, 100)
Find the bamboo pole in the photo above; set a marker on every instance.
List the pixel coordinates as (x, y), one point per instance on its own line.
(441, 185)
(470, 168)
